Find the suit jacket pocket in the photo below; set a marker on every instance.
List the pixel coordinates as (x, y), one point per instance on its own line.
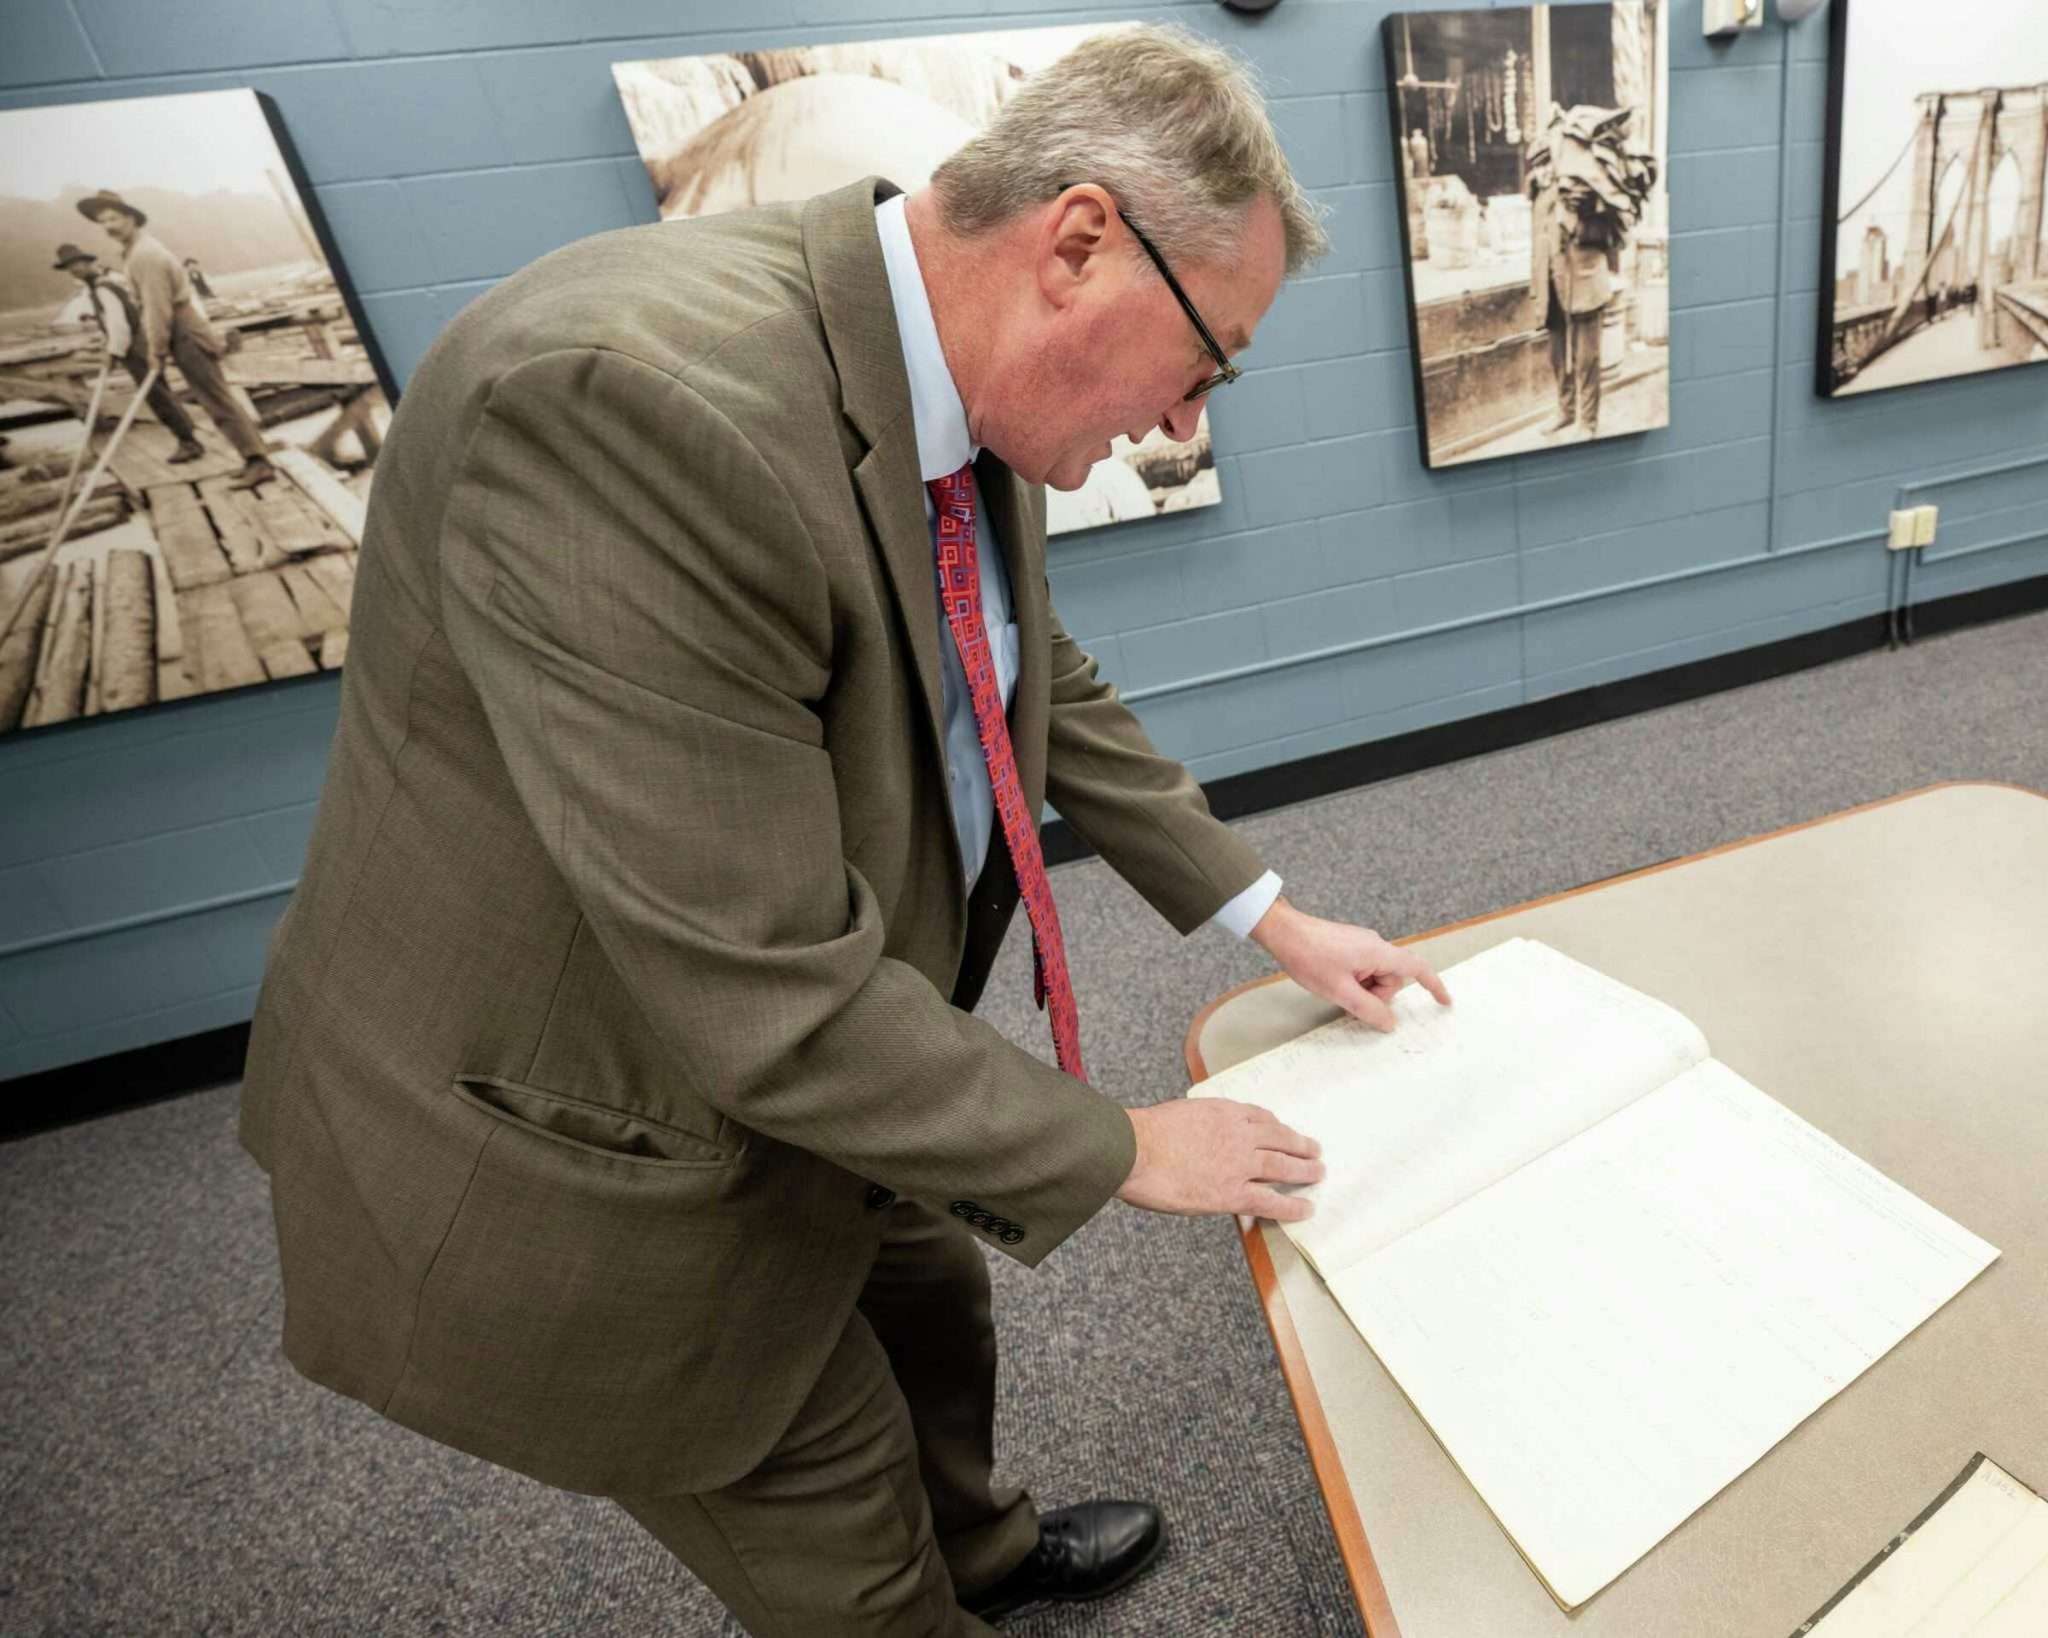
(610, 1323)
(577, 1123)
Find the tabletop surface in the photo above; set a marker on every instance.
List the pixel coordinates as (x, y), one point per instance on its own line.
(1884, 974)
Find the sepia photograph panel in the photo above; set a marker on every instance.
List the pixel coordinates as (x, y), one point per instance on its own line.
(745, 128)
(190, 409)
(1934, 250)
(1531, 150)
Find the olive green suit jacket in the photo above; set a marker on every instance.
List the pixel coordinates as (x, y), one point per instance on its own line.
(631, 961)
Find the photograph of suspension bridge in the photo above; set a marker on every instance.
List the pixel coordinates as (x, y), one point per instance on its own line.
(1934, 261)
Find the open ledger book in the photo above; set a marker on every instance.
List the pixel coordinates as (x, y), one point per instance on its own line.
(1607, 1271)
(1974, 1564)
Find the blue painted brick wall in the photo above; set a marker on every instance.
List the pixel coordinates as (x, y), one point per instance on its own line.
(143, 860)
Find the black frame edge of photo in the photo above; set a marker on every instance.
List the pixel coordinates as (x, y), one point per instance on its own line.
(1389, 48)
(1830, 200)
(311, 205)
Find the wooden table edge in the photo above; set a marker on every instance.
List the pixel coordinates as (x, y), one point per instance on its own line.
(1352, 1546)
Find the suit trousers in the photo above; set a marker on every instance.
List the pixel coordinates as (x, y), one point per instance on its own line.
(163, 403)
(1575, 363)
(876, 1504)
(209, 385)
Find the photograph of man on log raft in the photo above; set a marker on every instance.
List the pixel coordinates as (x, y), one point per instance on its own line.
(185, 455)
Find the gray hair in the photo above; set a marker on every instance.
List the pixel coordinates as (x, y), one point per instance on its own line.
(1171, 126)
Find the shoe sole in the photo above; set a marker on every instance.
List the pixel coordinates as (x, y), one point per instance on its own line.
(1004, 1610)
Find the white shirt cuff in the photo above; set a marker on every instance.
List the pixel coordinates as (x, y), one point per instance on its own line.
(1242, 913)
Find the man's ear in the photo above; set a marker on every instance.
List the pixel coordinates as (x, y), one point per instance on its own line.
(1074, 233)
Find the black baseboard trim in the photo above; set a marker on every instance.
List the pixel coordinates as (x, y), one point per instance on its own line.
(122, 1080)
(1979, 608)
(127, 1080)
(1238, 796)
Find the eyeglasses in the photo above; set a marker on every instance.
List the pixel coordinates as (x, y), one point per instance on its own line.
(1226, 372)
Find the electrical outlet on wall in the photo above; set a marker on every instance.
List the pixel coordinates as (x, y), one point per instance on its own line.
(1720, 18)
(1912, 526)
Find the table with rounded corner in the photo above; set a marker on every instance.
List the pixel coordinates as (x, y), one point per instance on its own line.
(1883, 972)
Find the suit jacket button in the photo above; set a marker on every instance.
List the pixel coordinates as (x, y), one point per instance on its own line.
(878, 1197)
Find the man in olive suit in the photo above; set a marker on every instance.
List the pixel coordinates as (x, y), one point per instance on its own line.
(615, 1070)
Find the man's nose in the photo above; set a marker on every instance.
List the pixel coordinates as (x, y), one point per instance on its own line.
(1181, 421)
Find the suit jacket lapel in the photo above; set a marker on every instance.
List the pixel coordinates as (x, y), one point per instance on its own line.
(852, 286)
(892, 490)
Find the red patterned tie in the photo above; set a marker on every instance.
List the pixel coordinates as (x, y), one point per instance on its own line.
(960, 587)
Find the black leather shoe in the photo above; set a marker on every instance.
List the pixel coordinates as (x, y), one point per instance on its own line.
(1082, 1552)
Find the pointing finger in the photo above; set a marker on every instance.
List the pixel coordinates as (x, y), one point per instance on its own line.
(1425, 975)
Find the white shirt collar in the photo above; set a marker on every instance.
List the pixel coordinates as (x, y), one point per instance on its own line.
(943, 445)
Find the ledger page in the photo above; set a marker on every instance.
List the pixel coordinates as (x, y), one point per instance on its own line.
(1535, 1048)
(1975, 1565)
(1608, 1336)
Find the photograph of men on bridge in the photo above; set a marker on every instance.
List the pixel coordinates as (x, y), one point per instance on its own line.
(190, 409)
(1933, 256)
(1530, 148)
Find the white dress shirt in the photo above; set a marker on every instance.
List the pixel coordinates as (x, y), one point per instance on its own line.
(943, 447)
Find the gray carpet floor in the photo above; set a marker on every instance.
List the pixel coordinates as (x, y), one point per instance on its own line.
(163, 1471)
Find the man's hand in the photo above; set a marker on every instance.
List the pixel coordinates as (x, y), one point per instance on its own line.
(1351, 966)
(1198, 1155)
